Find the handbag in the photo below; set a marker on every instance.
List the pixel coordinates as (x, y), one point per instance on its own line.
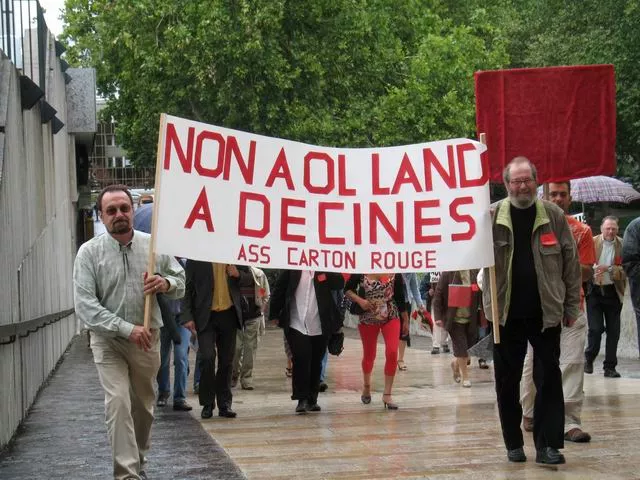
(336, 343)
(459, 296)
(355, 308)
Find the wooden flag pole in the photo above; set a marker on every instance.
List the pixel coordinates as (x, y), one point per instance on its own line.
(151, 263)
(492, 284)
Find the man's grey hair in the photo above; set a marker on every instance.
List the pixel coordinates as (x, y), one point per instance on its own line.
(506, 173)
(613, 218)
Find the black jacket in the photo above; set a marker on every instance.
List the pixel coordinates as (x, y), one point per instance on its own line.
(284, 293)
(196, 304)
(250, 310)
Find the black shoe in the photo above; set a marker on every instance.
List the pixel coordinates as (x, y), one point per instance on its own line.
(611, 373)
(207, 411)
(247, 387)
(162, 400)
(435, 350)
(182, 406)
(227, 413)
(516, 455)
(323, 387)
(234, 382)
(302, 406)
(549, 456)
(588, 366)
(313, 407)
(445, 348)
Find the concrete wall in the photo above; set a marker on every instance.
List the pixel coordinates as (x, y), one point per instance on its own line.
(37, 238)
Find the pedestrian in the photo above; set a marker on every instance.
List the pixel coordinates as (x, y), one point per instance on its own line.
(302, 305)
(631, 265)
(572, 338)
(381, 308)
(173, 336)
(439, 336)
(110, 284)
(213, 304)
(604, 301)
(255, 299)
(459, 316)
(538, 290)
(411, 296)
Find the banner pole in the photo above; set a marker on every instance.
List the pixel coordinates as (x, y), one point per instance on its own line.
(151, 263)
(492, 283)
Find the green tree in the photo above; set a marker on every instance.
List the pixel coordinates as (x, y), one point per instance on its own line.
(329, 72)
(559, 32)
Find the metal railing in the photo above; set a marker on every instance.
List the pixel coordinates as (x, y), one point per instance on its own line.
(23, 31)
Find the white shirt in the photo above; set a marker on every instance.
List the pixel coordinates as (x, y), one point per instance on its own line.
(606, 258)
(305, 317)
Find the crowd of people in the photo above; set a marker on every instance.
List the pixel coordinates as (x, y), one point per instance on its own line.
(558, 288)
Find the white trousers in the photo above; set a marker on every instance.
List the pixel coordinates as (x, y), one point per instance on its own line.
(440, 336)
(572, 341)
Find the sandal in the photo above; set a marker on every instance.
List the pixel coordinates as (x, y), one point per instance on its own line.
(288, 371)
(402, 366)
(366, 399)
(456, 371)
(389, 405)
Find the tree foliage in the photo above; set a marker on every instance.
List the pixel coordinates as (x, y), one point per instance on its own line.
(560, 32)
(330, 72)
(339, 72)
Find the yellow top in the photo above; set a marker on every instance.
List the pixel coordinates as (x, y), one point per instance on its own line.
(221, 295)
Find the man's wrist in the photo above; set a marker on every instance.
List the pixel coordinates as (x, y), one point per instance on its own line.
(125, 329)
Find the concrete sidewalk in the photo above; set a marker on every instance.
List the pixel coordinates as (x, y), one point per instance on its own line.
(64, 435)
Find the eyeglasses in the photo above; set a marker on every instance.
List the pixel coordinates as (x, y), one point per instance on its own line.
(113, 210)
(524, 181)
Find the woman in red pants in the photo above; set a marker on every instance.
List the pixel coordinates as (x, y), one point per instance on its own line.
(380, 298)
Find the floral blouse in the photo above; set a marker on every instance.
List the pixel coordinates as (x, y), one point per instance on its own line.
(380, 293)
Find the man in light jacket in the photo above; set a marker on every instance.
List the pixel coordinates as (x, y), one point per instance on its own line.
(604, 299)
(538, 290)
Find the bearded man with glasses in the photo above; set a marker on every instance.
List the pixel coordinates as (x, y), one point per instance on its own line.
(110, 284)
(538, 290)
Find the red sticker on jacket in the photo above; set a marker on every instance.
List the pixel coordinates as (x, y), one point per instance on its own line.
(474, 287)
(322, 277)
(617, 260)
(548, 239)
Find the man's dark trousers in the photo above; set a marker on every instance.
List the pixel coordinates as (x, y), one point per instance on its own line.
(603, 308)
(508, 356)
(219, 335)
(307, 352)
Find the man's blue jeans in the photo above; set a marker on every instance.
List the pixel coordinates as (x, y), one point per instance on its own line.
(180, 363)
(323, 372)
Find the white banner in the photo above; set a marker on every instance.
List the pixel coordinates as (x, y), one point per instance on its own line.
(233, 197)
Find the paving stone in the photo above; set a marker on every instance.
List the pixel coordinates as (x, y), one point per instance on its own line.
(64, 435)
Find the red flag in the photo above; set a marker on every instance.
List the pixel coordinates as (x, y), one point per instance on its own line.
(563, 119)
